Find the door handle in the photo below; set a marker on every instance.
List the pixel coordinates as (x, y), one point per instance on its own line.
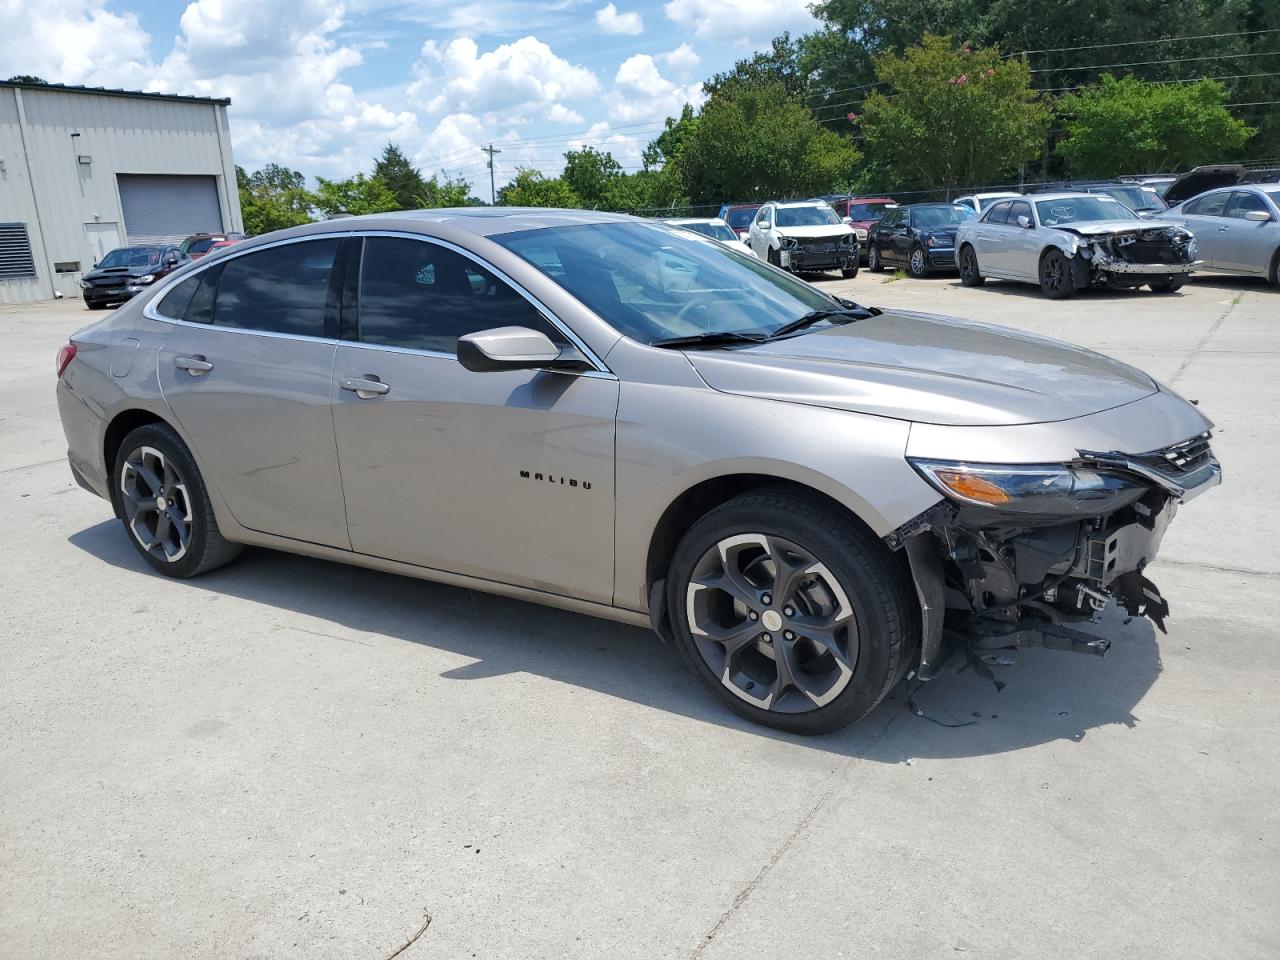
(196, 365)
(1222, 229)
(366, 388)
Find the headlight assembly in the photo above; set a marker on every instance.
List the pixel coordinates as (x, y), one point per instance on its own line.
(149, 278)
(1032, 489)
(787, 243)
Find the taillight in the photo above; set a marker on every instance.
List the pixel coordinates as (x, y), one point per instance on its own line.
(66, 353)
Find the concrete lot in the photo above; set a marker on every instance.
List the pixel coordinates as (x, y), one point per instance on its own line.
(289, 758)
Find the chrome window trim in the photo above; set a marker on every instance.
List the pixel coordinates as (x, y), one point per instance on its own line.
(442, 355)
(541, 307)
(151, 313)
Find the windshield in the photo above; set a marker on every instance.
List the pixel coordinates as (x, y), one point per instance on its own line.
(740, 218)
(1136, 198)
(651, 283)
(716, 231)
(939, 217)
(131, 257)
(806, 216)
(1081, 210)
(869, 211)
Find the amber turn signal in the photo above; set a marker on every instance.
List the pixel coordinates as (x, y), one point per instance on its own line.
(970, 486)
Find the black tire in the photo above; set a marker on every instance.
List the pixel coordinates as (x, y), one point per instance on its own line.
(206, 549)
(1171, 285)
(1274, 276)
(970, 275)
(772, 256)
(95, 306)
(1056, 281)
(918, 262)
(849, 272)
(873, 260)
(874, 583)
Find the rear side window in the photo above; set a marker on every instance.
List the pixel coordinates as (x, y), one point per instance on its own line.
(422, 296)
(281, 289)
(192, 299)
(1211, 205)
(174, 303)
(997, 214)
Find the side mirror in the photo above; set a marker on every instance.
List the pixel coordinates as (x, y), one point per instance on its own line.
(172, 259)
(846, 219)
(1024, 221)
(516, 348)
(1257, 216)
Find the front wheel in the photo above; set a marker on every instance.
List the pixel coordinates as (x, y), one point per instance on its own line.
(1056, 281)
(161, 499)
(970, 275)
(849, 272)
(873, 260)
(773, 257)
(1167, 286)
(790, 613)
(918, 263)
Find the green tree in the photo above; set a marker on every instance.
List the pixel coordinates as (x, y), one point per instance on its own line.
(589, 173)
(1124, 126)
(402, 178)
(273, 198)
(778, 64)
(757, 143)
(354, 196)
(953, 118)
(531, 188)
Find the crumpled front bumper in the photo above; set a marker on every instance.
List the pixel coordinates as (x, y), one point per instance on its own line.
(1112, 265)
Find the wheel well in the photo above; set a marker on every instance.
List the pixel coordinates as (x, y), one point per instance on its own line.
(1274, 273)
(698, 500)
(119, 428)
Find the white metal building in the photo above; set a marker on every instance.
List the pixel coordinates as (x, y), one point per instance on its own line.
(85, 170)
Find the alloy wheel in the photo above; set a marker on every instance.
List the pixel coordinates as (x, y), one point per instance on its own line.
(917, 262)
(772, 622)
(968, 264)
(157, 506)
(1053, 273)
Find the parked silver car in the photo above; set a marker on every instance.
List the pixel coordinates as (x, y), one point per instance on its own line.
(607, 415)
(1237, 229)
(1068, 241)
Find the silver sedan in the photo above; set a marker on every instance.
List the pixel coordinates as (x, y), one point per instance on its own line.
(1237, 229)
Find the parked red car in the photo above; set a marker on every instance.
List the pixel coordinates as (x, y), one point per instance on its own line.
(739, 216)
(863, 213)
(199, 244)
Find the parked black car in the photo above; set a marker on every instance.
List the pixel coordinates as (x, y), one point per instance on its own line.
(126, 271)
(1138, 197)
(918, 236)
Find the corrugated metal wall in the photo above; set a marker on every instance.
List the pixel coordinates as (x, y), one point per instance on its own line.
(45, 184)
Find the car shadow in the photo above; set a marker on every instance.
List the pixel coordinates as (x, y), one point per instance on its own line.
(1225, 281)
(1048, 697)
(1015, 288)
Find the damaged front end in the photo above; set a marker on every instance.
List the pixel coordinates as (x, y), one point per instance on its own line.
(1016, 554)
(1132, 258)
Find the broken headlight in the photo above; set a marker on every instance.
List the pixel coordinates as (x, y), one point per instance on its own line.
(1034, 489)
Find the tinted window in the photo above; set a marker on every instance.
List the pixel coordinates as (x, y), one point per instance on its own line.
(131, 257)
(866, 211)
(1242, 203)
(1210, 205)
(202, 246)
(174, 303)
(279, 290)
(423, 296)
(1019, 208)
(998, 214)
(934, 218)
(740, 218)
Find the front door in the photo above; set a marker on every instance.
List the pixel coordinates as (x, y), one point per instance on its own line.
(1246, 245)
(248, 375)
(1203, 216)
(507, 476)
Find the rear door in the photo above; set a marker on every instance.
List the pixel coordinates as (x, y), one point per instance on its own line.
(988, 238)
(1021, 249)
(505, 475)
(247, 372)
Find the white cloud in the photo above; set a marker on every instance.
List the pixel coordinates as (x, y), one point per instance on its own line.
(742, 21)
(682, 59)
(641, 92)
(73, 41)
(610, 20)
(521, 78)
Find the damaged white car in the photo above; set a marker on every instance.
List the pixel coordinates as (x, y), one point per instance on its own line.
(1068, 241)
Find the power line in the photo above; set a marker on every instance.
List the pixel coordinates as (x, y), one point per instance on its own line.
(1132, 43)
(1232, 76)
(1147, 63)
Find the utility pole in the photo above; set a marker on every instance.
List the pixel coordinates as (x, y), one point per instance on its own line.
(491, 150)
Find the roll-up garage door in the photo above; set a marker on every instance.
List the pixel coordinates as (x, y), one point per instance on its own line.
(168, 209)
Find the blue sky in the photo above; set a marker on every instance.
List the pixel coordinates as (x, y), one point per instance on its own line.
(321, 86)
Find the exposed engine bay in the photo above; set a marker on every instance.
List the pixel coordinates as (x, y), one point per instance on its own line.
(1016, 555)
(1131, 258)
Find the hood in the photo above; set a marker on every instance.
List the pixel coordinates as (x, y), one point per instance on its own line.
(928, 369)
(1100, 228)
(820, 230)
(1197, 181)
(136, 271)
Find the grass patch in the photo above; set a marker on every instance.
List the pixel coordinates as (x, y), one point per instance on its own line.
(898, 274)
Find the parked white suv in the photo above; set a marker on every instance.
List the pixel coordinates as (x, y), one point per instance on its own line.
(804, 236)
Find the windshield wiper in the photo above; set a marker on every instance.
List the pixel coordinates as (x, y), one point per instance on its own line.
(844, 314)
(712, 339)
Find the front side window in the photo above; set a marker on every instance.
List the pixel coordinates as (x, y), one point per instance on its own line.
(762, 218)
(282, 289)
(807, 216)
(651, 283)
(1019, 208)
(1241, 203)
(422, 296)
(998, 213)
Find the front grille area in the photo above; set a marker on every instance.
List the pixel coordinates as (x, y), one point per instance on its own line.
(1182, 457)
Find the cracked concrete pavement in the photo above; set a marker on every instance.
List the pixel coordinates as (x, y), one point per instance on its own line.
(289, 758)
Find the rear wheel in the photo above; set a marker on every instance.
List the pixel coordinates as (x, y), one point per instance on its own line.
(918, 262)
(162, 501)
(1167, 286)
(1056, 281)
(790, 613)
(873, 260)
(970, 276)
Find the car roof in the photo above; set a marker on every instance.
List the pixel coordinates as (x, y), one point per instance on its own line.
(740, 206)
(684, 220)
(923, 206)
(790, 204)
